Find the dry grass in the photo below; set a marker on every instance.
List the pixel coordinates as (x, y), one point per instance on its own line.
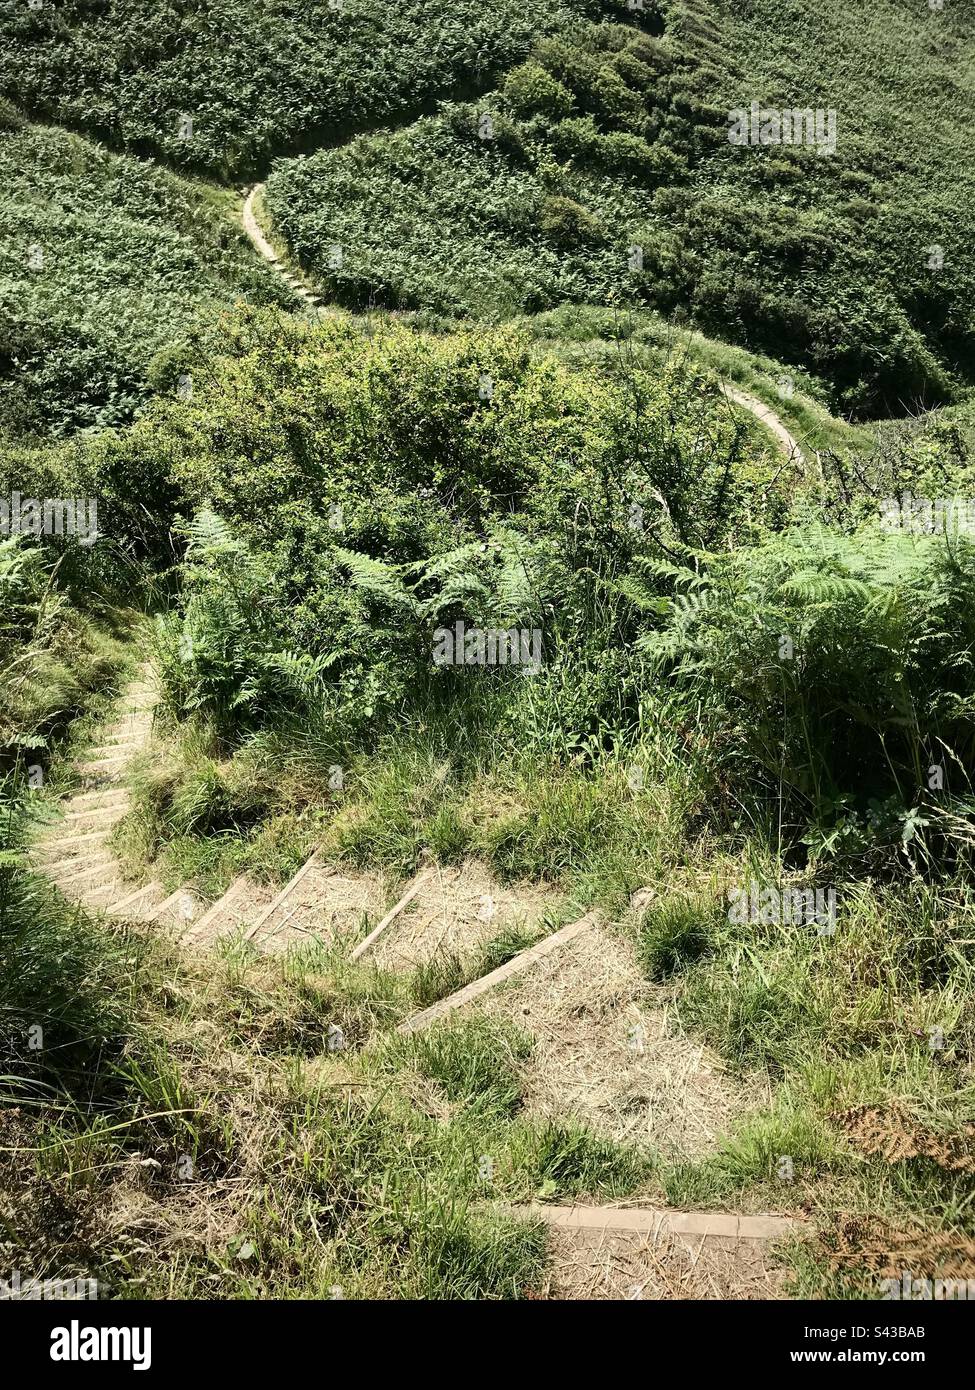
(889, 1132)
(455, 913)
(869, 1243)
(608, 1051)
(327, 905)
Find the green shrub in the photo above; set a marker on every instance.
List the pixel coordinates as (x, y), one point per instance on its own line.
(567, 223)
(835, 671)
(530, 91)
(676, 933)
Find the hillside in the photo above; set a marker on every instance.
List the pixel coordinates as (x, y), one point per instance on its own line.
(609, 138)
(487, 813)
(254, 79)
(104, 263)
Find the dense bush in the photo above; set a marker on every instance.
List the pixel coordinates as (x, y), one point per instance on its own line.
(837, 672)
(365, 491)
(255, 79)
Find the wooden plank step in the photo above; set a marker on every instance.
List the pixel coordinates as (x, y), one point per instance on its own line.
(87, 799)
(75, 877)
(663, 1222)
(116, 809)
(242, 902)
(137, 898)
(174, 908)
(96, 818)
(282, 897)
(392, 914)
(522, 961)
(104, 896)
(75, 842)
(102, 765)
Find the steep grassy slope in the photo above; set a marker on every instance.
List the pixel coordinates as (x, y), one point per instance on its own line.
(104, 261)
(851, 263)
(255, 78)
(745, 685)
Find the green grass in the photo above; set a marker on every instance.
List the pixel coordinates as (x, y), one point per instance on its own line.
(334, 1174)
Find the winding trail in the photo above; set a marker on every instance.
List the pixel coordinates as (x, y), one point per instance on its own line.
(786, 442)
(267, 252)
(606, 1252)
(602, 1252)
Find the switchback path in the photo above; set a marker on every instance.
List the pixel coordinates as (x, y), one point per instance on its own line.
(786, 442)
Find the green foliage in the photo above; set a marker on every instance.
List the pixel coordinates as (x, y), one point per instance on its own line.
(355, 495)
(104, 263)
(530, 91)
(836, 671)
(256, 80)
(632, 131)
(53, 657)
(572, 1160)
(675, 933)
(475, 1062)
(63, 1012)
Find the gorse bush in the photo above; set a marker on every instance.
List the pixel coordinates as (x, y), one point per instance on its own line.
(355, 495)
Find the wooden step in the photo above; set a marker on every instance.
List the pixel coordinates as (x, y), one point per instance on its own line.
(138, 899)
(662, 1222)
(102, 766)
(282, 897)
(522, 961)
(104, 896)
(243, 901)
(53, 849)
(116, 810)
(178, 910)
(81, 822)
(75, 877)
(83, 800)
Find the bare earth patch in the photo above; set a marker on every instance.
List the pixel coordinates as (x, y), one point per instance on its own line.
(457, 911)
(608, 1052)
(629, 1265)
(324, 904)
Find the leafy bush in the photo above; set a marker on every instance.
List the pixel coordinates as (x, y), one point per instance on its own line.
(370, 492)
(836, 671)
(566, 223)
(530, 91)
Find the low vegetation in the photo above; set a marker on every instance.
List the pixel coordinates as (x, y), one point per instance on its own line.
(106, 266)
(600, 171)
